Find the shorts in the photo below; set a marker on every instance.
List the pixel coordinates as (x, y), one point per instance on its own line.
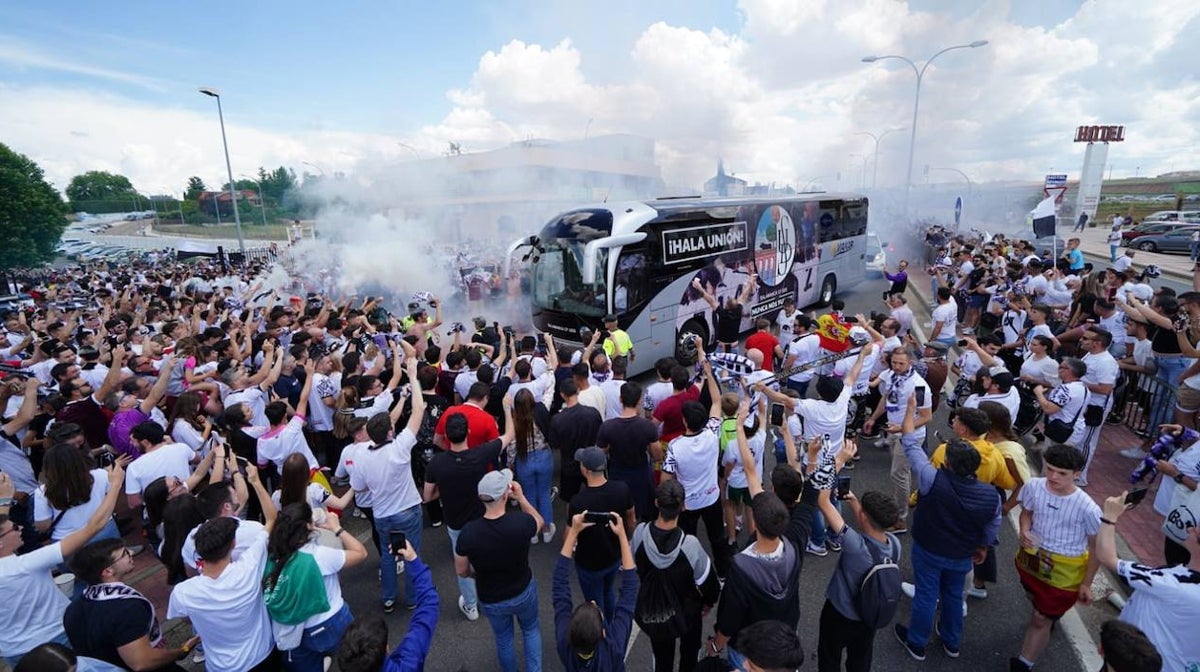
(1187, 399)
(735, 495)
(1047, 600)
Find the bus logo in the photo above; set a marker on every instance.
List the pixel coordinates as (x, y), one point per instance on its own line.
(775, 245)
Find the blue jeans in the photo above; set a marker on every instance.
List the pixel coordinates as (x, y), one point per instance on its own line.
(819, 529)
(1169, 369)
(600, 587)
(500, 614)
(319, 641)
(409, 521)
(1112, 252)
(937, 578)
(465, 586)
(535, 473)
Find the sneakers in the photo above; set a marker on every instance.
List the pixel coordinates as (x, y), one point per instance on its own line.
(548, 533)
(553, 492)
(534, 539)
(198, 654)
(908, 589)
(436, 523)
(472, 612)
(977, 593)
(833, 545)
(901, 631)
(1015, 665)
(951, 653)
(389, 606)
(814, 549)
(1134, 453)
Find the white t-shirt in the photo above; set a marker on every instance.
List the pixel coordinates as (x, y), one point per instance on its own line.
(183, 432)
(1044, 370)
(387, 473)
(277, 446)
(537, 365)
(804, 349)
(896, 400)
(841, 369)
(464, 381)
(228, 611)
(968, 364)
(170, 459)
(34, 606)
(1013, 323)
(315, 494)
(655, 393)
(612, 397)
(1115, 324)
(1037, 285)
(320, 416)
(246, 534)
(947, 314)
(1062, 523)
(256, 402)
(1165, 600)
(693, 461)
(1070, 398)
(372, 406)
(825, 420)
(76, 517)
(1102, 369)
(537, 387)
(757, 444)
(904, 316)
(347, 465)
(786, 324)
(1010, 400)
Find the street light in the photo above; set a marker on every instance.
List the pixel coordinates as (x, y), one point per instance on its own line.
(261, 199)
(875, 154)
(237, 218)
(864, 157)
(306, 163)
(920, 73)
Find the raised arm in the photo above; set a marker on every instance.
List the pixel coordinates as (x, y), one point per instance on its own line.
(159, 390)
(113, 378)
(709, 298)
(28, 410)
(749, 464)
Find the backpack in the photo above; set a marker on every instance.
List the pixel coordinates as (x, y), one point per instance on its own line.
(879, 593)
(658, 610)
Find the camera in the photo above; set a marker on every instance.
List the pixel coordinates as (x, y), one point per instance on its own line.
(962, 342)
(508, 331)
(456, 328)
(106, 459)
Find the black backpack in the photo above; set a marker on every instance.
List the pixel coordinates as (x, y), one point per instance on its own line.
(879, 593)
(659, 611)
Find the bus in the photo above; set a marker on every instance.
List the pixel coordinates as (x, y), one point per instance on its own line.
(637, 260)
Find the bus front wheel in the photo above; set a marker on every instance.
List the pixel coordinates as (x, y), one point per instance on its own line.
(828, 287)
(685, 354)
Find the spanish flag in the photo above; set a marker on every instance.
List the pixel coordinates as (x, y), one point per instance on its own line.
(833, 332)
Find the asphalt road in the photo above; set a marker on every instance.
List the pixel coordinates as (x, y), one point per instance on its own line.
(993, 631)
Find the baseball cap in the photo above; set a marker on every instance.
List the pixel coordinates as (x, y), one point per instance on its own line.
(494, 484)
(938, 347)
(592, 458)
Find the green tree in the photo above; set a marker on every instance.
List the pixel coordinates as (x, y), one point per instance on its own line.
(100, 185)
(31, 212)
(242, 185)
(276, 182)
(195, 187)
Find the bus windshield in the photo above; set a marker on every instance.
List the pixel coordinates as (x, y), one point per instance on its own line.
(558, 280)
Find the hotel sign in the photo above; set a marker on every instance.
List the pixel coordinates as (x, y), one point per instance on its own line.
(1100, 134)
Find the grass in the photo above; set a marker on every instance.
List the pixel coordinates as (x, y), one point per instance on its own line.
(256, 232)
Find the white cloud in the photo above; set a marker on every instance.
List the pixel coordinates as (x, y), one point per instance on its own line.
(780, 99)
(21, 56)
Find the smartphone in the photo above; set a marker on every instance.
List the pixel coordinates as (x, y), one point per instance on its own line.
(1135, 496)
(843, 486)
(597, 517)
(962, 342)
(920, 392)
(777, 415)
(396, 542)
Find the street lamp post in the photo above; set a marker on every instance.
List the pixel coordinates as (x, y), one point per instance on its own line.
(864, 158)
(237, 218)
(262, 202)
(875, 154)
(920, 73)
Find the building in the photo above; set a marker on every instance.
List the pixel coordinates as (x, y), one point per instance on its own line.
(221, 202)
(723, 184)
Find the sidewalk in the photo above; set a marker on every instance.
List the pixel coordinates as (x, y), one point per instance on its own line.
(1095, 242)
(1109, 474)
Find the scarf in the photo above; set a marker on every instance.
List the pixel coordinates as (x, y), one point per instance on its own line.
(119, 591)
(898, 380)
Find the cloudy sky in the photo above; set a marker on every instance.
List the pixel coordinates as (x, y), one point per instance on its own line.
(776, 87)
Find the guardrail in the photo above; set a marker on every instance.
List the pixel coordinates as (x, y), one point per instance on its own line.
(1142, 403)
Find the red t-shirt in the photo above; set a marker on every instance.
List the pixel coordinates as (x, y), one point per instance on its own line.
(481, 426)
(670, 412)
(765, 342)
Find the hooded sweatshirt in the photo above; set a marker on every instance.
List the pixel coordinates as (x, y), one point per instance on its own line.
(686, 566)
(760, 588)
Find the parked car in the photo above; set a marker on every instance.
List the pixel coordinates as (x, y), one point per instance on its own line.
(1177, 240)
(876, 255)
(1149, 229)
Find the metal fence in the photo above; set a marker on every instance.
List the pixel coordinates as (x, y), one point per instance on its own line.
(1142, 403)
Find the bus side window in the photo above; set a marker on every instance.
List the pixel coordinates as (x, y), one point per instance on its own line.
(854, 219)
(831, 223)
(630, 283)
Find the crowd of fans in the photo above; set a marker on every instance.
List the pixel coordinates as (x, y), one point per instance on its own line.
(241, 425)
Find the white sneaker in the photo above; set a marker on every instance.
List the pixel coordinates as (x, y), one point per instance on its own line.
(534, 539)
(472, 613)
(977, 593)
(548, 533)
(198, 654)
(819, 551)
(1133, 453)
(908, 589)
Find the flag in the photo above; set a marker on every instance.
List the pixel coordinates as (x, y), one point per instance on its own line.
(1044, 218)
